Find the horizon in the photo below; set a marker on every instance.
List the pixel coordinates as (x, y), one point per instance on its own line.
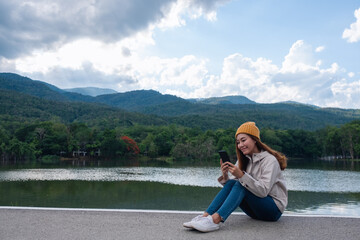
(266, 51)
(197, 99)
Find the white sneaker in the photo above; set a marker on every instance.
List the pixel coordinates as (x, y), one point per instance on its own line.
(205, 224)
(195, 219)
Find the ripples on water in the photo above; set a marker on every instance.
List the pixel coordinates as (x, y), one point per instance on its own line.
(297, 179)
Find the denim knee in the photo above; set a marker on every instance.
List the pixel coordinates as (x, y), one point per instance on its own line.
(230, 183)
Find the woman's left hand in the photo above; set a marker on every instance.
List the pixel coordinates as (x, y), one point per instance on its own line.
(235, 170)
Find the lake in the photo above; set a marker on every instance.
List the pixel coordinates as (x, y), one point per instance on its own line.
(315, 187)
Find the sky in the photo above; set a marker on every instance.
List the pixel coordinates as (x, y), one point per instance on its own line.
(266, 50)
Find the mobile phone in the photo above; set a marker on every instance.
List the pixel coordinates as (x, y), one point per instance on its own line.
(224, 156)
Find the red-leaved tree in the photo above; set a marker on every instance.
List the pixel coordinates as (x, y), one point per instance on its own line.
(131, 145)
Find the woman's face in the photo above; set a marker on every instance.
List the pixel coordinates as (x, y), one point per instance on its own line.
(246, 144)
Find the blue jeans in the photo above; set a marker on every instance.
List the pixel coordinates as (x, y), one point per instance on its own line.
(234, 195)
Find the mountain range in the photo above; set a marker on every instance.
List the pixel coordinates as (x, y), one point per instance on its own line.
(91, 91)
(29, 100)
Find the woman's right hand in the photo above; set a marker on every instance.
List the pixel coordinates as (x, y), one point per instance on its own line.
(224, 169)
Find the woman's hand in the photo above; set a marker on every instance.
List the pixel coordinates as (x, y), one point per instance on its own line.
(224, 169)
(233, 169)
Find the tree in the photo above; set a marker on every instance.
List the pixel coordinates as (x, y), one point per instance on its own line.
(148, 146)
(4, 141)
(81, 135)
(131, 145)
(270, 137)
(332, 141)
(164, 142)
(111, 146)
(350, 137)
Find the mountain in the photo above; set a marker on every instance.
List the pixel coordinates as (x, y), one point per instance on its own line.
(91, 91)
(15, 82)
(224, 100)
(21, 84)
(137, 100)
(297, 103)
(276, 116)
(133, 100)
(20, 107)
(29, 100)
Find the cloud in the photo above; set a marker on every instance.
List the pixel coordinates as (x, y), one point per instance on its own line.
(346, 93)
(299, 58)
(352, 34)
(108, 35)
(72, 78)
(300, 78)
(193, 9)
(31, 25)
(320, 49)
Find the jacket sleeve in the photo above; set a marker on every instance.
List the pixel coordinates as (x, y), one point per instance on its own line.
(261, 187)
(221, 179)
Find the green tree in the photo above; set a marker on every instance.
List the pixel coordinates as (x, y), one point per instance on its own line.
(270, 137)
(164, 142)
(350, 137)
(226, 141)
(111, 145)
(20, 151)
(81, 135)
(148, 146)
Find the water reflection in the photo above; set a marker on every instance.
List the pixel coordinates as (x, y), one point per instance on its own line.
(313, 190)
(341, 209)
(153, 195)
(311, 180)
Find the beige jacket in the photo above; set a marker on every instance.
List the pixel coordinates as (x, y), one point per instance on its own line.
(264, 177)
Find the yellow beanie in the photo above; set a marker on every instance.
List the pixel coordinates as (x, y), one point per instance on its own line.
(248, 128)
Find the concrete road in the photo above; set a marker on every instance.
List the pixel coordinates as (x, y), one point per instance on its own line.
(45, 223)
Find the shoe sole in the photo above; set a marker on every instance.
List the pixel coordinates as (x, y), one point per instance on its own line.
(187, 226)
(200, 229)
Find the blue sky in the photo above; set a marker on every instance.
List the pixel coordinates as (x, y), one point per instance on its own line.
(268, 51)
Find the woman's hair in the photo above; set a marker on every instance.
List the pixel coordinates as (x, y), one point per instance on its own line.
(243, 160)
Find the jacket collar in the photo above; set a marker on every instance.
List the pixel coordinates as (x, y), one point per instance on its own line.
(258, 156)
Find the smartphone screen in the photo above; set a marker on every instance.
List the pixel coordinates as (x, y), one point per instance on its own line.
(224, 156)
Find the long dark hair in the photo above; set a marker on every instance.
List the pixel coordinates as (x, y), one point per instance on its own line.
(243, 160)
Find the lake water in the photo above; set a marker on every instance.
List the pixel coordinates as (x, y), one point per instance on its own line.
(312, 190)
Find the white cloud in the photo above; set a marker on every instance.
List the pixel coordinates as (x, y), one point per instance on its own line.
(346, 93)
(351, 74)
(320, 49)
(299, 58)
(184, 73)
(300, 78)
(352, 34)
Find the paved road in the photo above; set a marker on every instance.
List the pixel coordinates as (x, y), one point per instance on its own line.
(22, 223)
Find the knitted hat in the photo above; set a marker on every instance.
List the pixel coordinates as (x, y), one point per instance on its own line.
(248, 128)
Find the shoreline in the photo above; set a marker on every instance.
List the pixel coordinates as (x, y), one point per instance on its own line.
(161, 211)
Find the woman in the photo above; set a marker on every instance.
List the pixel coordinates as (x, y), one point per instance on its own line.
(255, 183)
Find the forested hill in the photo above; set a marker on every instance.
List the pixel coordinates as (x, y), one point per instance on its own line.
(133, 100)
(14, 82)
(138, 100)
(18, 107)
(27, 100)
